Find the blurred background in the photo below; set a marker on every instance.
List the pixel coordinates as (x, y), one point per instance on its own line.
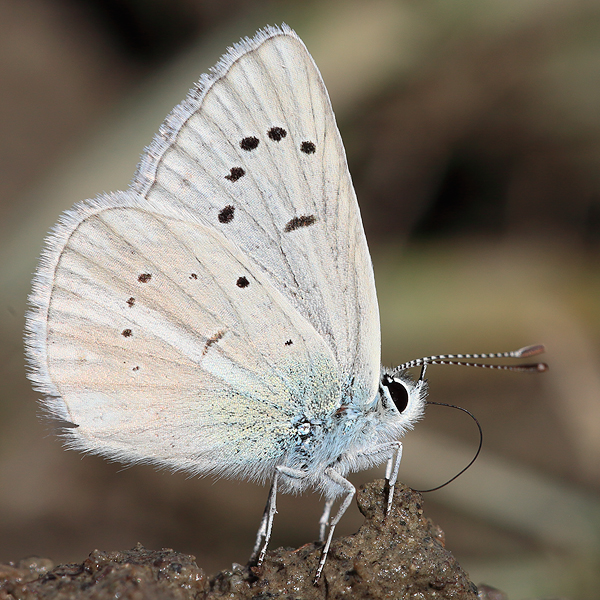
(473, 135)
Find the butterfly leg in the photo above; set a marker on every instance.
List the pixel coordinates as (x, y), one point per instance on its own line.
(388, 451)
(392, 452)
(350, 490)
(391, 473)
(266, 525)
(262, 530)
(324, 520)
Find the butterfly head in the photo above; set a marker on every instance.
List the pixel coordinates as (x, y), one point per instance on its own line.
(401, 399)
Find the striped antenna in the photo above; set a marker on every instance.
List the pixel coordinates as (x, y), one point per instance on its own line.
(463, 361)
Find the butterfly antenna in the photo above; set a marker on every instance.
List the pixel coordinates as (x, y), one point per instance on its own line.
(463, 360)
(433, 489)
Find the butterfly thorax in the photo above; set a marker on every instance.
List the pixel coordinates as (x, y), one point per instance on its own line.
(348, 439)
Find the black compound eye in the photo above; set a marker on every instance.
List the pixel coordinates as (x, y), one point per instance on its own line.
(398, 392)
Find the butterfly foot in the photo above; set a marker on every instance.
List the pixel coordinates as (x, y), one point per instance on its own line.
(319, 571)
(390, 500)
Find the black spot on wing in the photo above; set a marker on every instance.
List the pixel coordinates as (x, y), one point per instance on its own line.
(235, 173)
(144, 277)
(276, 133)
(289, 343)
(126, 333)
(249, 143)
(212, 340)
(308, 147)
(135, 368)
(226, 214)
(242, 282)
(297, 222)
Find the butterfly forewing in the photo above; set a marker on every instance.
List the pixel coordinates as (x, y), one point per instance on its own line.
(257, 154)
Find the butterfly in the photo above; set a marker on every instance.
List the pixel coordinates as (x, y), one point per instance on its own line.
(220, 316)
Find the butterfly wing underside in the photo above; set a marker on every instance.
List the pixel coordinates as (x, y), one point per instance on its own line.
(293, 210)
(231, 287)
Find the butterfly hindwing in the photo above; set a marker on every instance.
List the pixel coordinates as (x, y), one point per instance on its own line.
(160, 339)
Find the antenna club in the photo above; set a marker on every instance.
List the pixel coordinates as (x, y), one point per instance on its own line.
(530, 351)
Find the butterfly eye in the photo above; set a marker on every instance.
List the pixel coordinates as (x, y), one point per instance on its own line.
(397, 391)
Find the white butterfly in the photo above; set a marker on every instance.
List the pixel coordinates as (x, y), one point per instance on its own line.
(220, 316)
